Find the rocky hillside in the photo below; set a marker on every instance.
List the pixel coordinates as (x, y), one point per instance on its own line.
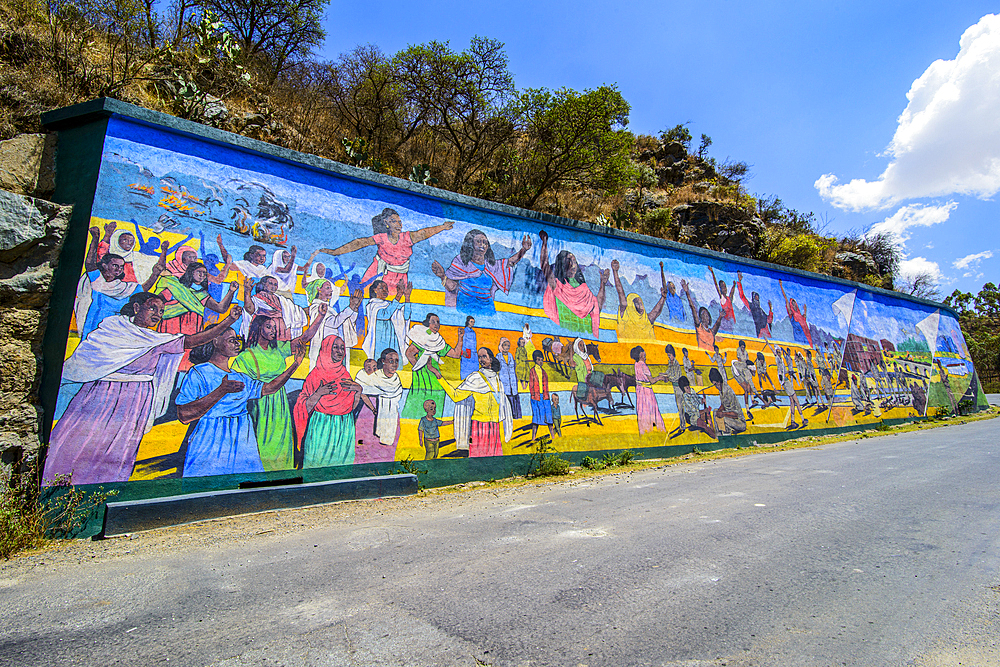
(416, 115)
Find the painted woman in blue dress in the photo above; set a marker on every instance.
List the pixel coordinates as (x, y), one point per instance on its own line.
(223, 441)
(475, 274)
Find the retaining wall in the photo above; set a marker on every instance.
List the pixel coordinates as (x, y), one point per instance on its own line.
(304, 311)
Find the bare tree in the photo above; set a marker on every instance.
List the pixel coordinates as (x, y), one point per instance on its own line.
(922, 285)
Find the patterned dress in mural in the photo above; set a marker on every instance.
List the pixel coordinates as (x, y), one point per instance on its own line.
(425, 386)
(647, 412)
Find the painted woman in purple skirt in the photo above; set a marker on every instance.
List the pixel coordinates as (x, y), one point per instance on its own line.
(128, 371)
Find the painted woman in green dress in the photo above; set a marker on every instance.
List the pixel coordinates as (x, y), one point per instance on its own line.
(264, 359)
(426, 348)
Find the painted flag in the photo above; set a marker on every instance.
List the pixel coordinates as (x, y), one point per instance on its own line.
(929, 328)
(844, 307)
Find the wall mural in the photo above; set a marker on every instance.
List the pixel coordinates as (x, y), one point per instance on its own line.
(239, 314)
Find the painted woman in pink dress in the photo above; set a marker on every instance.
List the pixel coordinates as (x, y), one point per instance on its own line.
(128, 371)
(394, 247)
(647, 412)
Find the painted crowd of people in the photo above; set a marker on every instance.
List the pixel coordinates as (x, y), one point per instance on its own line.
(148, 312)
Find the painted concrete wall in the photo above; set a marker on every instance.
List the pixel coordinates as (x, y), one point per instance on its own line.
(238, 310)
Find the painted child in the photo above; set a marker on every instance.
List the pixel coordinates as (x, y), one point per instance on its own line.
(538, 386)
(719, 359)
(674, 373)
(695, 413)
(556, 416)
(793, 402)
(689, 370)
(826, 386)
(428, 428)
(762, 374)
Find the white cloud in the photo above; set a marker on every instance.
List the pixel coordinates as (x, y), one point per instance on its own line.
(970, 263)
(912, 215)
(916, 266)
(948, 138)
(964, 262)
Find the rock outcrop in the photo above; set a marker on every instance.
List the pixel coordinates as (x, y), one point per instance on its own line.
(27, 164)
(720, 226)
(31, 237)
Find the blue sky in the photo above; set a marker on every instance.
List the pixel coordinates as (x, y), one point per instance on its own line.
(811, 94)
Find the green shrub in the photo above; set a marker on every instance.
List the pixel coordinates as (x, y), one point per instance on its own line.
(544, 462)
(552, 464)
(26, 520)
(22, 519)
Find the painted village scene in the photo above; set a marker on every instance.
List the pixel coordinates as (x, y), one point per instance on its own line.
(237, 314)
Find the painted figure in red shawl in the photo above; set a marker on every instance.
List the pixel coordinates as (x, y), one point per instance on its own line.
(568, 300)
(800, 325)
(324, 419)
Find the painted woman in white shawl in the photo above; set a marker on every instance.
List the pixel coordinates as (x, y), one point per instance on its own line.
(490, 422)
(128, 371)
(322, 292)
(222, 440)
(475, 274)
(377, 426)
(426, 349)
(386, 318)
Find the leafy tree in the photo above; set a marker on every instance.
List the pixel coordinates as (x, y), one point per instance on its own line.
(679, 133)
(275, 32)
(571, 138)
(979, 317)
(462, 99)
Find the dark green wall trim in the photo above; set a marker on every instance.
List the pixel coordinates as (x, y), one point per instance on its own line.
(78, 160)
(88, 112)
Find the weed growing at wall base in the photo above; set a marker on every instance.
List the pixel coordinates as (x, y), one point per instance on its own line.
(26, 520)
(544, 462)
(610, 460)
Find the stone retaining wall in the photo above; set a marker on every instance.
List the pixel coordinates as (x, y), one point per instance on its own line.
(31, 237)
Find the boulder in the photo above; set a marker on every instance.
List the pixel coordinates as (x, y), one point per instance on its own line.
(27, 164)
(31, 233)
(855, 265)
(31, 237)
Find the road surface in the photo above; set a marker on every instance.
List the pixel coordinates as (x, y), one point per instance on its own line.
(881, 551)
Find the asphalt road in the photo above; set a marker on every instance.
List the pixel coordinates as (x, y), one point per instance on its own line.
(882, 551)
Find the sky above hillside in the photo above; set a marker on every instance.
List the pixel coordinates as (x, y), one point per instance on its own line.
(873, 115)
